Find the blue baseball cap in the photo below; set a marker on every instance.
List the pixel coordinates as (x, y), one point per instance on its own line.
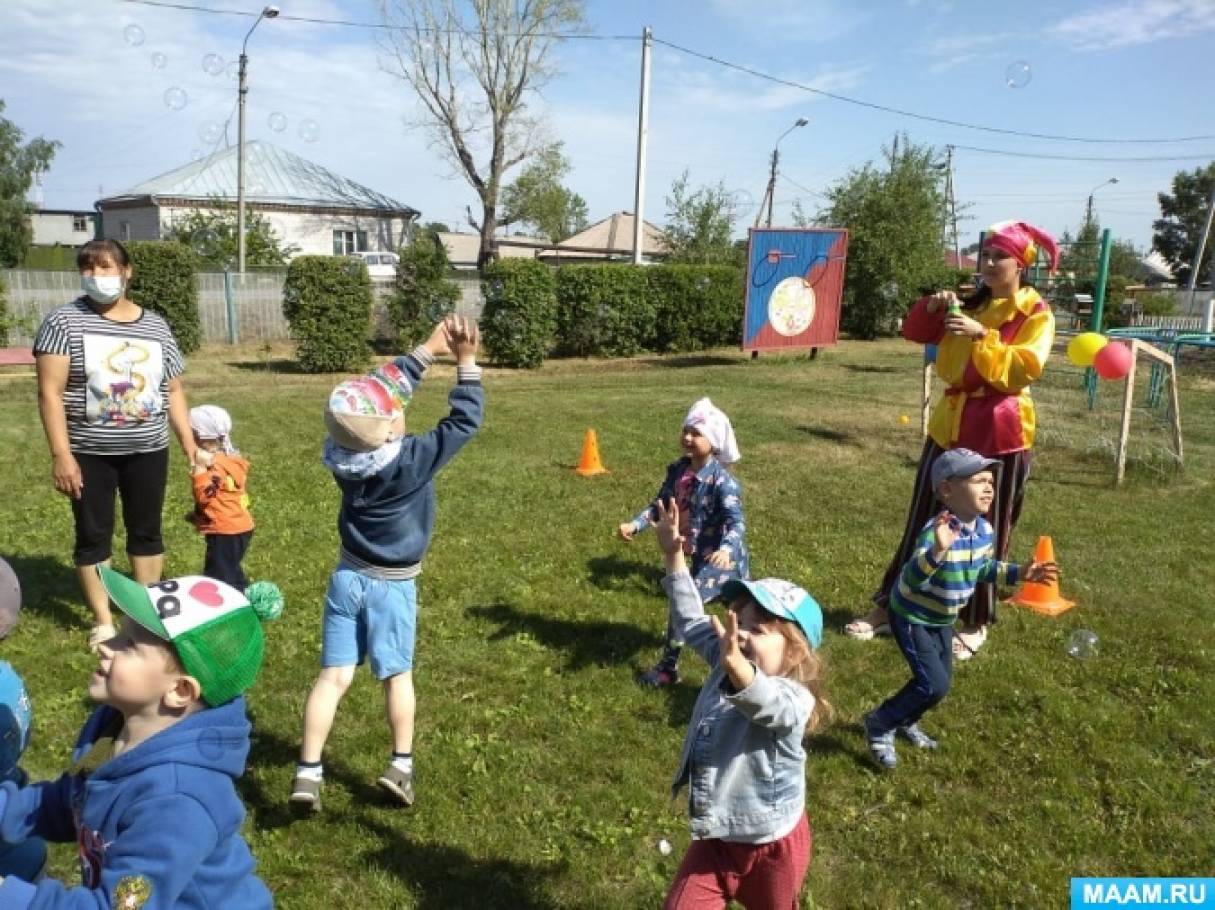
(958, 463)
(784, 600)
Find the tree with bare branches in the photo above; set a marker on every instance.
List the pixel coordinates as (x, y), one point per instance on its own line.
(474, 65)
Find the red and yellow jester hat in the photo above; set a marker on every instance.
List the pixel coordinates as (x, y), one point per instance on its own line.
(1022, 241)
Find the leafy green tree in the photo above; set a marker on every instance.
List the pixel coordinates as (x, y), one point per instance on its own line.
(699, 224)
(211, 233)
(422, 295)
(437, 227)
(18, 165)
(895, 220)
(538, 199)
(1183, 215)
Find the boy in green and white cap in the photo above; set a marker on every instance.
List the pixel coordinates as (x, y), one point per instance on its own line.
(150, 797)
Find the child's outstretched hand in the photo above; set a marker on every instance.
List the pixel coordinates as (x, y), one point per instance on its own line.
(626, 531)
(463, 334)
(945, 531)
(670, 541)
(737, 667)
(1042, 572)
(439, 341)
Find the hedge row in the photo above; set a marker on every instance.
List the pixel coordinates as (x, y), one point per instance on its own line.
(327, 303)
(3, 315)
(164, 280)
(607, 310)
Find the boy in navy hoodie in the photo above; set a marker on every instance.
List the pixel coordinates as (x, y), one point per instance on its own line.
(385, 522)
(150, 797)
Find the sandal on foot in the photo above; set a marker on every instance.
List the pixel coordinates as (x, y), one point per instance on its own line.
(967, 644)
(863, 629)
(881, 746)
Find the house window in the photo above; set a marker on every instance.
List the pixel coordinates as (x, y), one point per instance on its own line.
(347, 242)
(126, 230)
(80, 223)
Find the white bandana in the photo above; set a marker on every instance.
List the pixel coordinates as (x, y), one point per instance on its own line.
(715, 426)
(212, 422)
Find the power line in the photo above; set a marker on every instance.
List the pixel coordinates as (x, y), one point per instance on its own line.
(911, 114)
(348, 23)
(1209, 156)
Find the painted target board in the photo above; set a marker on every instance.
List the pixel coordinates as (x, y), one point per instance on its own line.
(795, 281)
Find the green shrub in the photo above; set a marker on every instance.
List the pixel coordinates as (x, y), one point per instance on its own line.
(423, 296)
(3, 315)
(519, 322)
(1157, 303)
(164, 280)
(327, 303)
(55, 258)
(696, 306)
(603, 311)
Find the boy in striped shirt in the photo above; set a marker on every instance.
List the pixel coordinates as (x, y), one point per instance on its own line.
(953, 554)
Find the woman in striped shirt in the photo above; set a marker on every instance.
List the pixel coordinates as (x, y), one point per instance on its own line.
(108, 389)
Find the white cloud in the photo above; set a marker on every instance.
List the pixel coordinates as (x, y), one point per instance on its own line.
(1133, 23)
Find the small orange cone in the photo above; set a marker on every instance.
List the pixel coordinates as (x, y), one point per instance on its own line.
(1042, 597)
(589, 463)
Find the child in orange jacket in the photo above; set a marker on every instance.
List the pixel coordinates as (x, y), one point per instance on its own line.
(219, 478)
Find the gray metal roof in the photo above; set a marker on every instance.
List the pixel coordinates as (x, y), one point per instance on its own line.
(272, 176)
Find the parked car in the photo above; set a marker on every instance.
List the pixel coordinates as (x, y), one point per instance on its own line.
(380, 266)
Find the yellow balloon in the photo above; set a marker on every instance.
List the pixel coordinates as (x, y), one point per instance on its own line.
(1084, 347)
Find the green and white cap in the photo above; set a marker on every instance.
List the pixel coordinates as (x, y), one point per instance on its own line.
(215, 629)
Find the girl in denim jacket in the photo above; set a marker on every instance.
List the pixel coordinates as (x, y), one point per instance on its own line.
(743, 760)
(710, 503)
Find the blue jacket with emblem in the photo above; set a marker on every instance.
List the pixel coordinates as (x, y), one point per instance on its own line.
(160, 822)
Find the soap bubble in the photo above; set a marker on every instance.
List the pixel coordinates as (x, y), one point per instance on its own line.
(1018, 74)
(702, 283)
(496, 287)
(310, 131)
(213, 64)
(203, 239)
(159, 60)
(210, 132)
(233, 70)
(175, 98)
(257, 188)
(664, 846)
(197, 154)
(1082, 645)
(277, 121)
(133, 35)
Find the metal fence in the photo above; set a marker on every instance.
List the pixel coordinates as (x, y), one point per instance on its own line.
(231, 308)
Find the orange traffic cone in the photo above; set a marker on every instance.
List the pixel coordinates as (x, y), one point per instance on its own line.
(589, 463)
(1042, 597)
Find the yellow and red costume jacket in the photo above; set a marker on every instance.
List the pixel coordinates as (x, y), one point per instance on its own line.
(987, 406)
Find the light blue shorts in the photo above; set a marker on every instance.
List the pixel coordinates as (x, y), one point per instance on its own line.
(368, 618)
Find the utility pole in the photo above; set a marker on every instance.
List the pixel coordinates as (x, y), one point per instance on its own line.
(1192, 285)
(771, 192)
(643, 131)
(952, 202)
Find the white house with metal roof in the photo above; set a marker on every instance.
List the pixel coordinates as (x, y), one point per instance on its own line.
(308, 206)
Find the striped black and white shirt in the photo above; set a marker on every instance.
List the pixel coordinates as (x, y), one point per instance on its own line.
(117, 394)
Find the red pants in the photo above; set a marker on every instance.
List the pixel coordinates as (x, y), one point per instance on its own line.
(758, 876)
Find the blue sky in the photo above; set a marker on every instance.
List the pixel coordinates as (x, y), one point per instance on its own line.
(1109, 69)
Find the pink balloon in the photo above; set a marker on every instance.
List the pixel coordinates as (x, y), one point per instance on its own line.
(1113, 361)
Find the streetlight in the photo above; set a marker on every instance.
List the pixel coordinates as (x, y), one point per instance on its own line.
(771, 191)
(1088, 215)
(269, 12)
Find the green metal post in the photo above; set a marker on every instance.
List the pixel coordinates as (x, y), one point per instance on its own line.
(1103, 274)
(230, 306)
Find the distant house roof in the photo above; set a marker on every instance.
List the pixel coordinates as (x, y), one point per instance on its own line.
(965, 262)
(613, 236)
(1157, 266)
(462, 249)
(272, 176)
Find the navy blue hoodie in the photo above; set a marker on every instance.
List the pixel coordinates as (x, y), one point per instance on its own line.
(162, 819)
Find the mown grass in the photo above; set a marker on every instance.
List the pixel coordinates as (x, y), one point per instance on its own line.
(543, 770)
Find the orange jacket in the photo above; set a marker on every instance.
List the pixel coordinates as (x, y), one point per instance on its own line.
(221, 500)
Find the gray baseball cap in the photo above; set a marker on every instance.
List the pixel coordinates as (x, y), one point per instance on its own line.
(958, 463)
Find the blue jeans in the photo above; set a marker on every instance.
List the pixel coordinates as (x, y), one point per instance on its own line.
(929, 653)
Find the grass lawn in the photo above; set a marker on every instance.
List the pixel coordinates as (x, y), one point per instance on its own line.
(543, 770)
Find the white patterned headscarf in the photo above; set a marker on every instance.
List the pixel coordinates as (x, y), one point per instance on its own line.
(212, 422)
(714, 425)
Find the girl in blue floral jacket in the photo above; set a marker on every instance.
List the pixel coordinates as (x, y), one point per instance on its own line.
(711, 518)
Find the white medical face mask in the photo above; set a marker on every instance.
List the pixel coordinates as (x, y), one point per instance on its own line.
(102, 288)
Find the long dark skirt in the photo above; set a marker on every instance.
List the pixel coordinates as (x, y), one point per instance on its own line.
(1012, 473)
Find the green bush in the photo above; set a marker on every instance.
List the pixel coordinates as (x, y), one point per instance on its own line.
(55, 258)
(1157, 303)
(603, 310)
(164, 280)
(423, 296)
(519, 322)
(696, 307)
(3, 315)
(327, 303)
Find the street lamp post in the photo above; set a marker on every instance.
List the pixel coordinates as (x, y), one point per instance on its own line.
(268, 12)
(770, 192)
(1088, 212)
